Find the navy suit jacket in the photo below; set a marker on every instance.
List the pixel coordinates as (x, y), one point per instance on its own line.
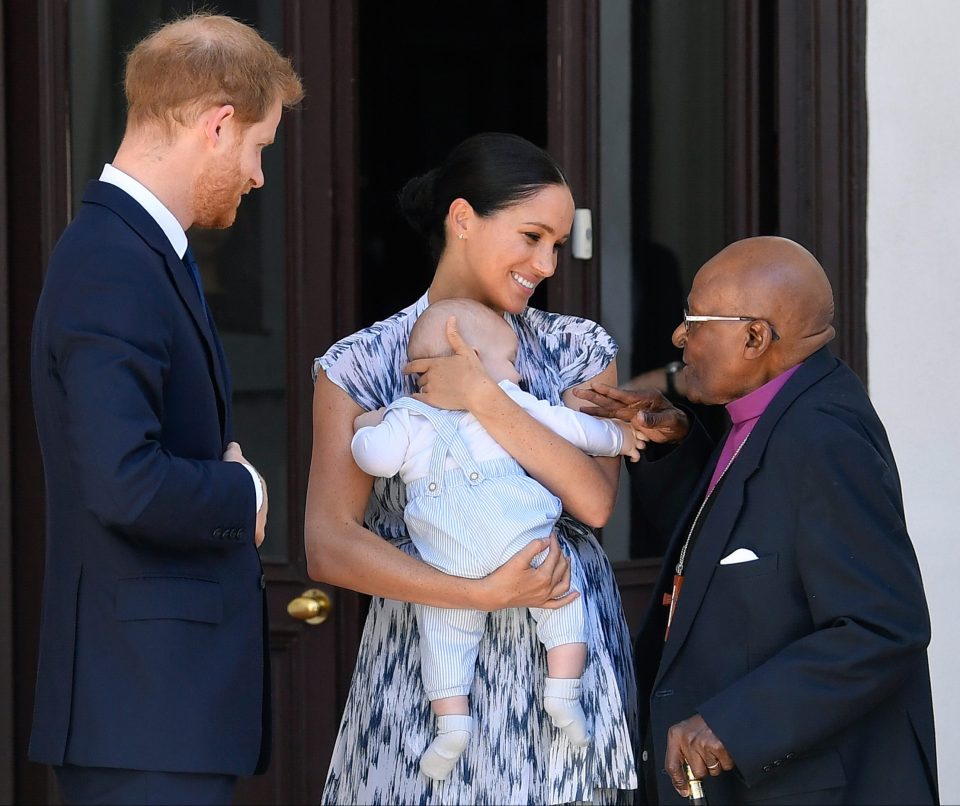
(810, 662)
(152, 641)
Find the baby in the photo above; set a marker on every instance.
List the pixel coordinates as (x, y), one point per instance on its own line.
(470, 507)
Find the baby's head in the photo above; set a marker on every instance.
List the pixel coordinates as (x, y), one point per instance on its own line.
(484, 330)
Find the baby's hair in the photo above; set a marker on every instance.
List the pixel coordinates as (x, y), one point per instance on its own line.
(428, 339)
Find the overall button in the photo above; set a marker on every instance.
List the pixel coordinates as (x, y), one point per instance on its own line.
(432, 486)
(474, 476)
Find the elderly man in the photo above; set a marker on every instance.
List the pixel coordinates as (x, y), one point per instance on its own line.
(784, 655)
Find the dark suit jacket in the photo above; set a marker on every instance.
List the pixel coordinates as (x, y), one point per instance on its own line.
(809, 663)
(152, 652)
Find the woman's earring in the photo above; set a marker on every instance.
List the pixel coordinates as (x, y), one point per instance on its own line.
(460, 236)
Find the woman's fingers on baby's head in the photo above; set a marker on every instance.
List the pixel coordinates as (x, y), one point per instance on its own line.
(453, 334)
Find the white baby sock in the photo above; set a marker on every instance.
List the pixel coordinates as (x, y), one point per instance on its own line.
(561, 699)
(453, 735)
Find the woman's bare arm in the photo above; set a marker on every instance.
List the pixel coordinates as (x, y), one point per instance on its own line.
(587, 485)
(340, 551)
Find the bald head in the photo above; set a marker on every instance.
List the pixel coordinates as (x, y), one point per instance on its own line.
(778, 280)
(783, 305)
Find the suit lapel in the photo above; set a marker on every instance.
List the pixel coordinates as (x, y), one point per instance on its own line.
(141, 222)
(722, 517)
(706, 553)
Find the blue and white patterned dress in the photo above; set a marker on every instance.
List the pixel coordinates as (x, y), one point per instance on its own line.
(517, 755)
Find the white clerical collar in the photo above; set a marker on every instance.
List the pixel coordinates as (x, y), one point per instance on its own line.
(167, 220)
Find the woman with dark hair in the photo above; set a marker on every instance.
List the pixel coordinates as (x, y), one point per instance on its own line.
(494, 213)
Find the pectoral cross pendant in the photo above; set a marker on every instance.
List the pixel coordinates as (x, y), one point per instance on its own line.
(670, 600)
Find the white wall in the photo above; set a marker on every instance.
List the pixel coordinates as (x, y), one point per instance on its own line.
(913, 306)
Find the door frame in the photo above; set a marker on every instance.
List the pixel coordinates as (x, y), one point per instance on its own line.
(796, 164)
(322, 296)
(797, 152)
(573, 134)
(35, 53)
(7, 701)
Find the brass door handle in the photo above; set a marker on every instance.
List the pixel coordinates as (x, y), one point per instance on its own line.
(312, 606)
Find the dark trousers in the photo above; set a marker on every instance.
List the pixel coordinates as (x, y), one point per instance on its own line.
(101, 785)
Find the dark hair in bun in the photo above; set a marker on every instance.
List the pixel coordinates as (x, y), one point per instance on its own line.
(492, 171)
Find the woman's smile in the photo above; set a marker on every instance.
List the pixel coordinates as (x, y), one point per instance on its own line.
(528, 284)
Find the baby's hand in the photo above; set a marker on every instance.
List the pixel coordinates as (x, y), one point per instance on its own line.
(374, 417)
(633, 442)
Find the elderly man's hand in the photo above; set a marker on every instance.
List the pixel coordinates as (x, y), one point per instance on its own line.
(693, 741)
(652, 416)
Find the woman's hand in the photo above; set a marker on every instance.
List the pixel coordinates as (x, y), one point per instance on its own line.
(452, 382)
(516, 583)
(586, 485)
(341, 552)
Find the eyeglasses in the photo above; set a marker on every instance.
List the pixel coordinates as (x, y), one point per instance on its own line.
(688, 318)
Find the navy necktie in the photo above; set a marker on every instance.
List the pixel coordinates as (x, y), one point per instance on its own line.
(191, 263)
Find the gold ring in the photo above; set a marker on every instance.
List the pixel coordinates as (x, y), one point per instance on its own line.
(713, 766)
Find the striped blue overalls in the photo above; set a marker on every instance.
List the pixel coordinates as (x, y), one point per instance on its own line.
(468, 521)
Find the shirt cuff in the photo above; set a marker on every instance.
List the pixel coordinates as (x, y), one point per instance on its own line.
(257, 485)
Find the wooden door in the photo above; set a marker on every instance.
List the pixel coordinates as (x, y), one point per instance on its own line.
(311, 663)
(384, 104)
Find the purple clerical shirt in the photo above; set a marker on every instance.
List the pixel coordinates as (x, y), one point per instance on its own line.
(744, 414)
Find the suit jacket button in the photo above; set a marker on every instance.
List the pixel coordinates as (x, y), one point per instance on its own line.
(789, 756)
(218, 532)
(240, 532)
(263, 581)
(777, 763)
(766, 768)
